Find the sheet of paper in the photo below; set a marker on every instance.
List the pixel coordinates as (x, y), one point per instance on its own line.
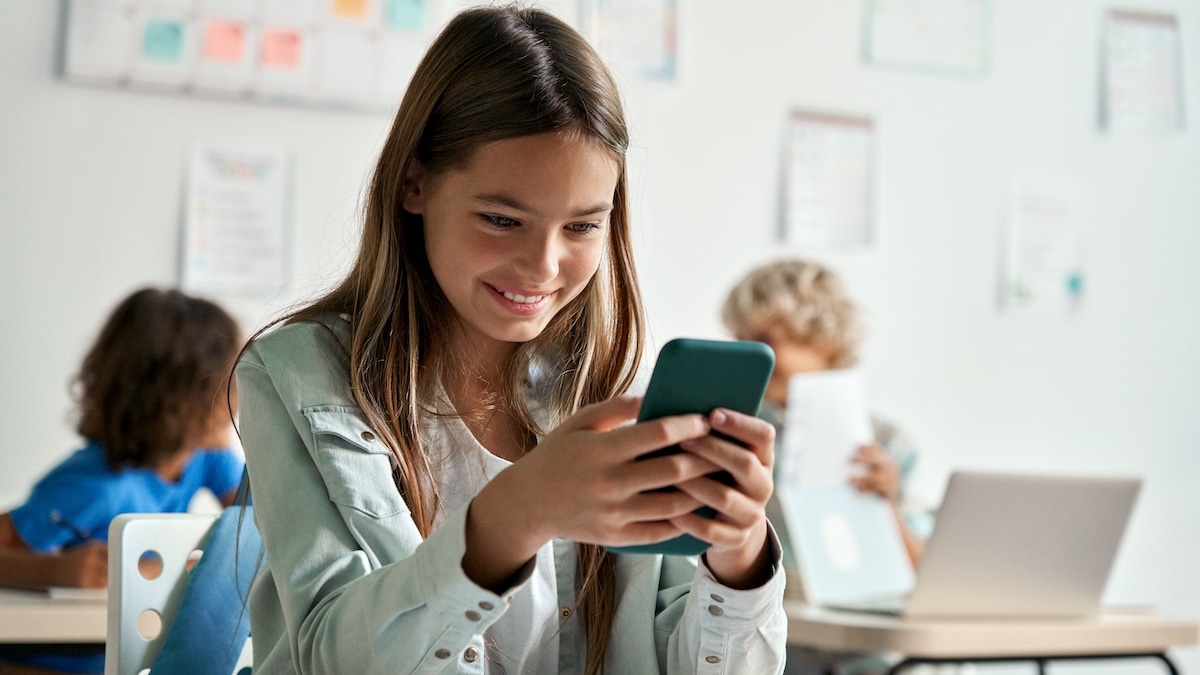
(346, 66)
(85, 594)
(1044, 246)
(637, 36)
(235, 226)
(1143, 80)
(228, 46)
(826, 422)
(100, 42)
(828, 182)
(945, 36)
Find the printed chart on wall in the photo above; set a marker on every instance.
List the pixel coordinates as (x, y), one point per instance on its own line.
(236, 221)
(356, 54)
(635, 36)
(827, 200)
(1044, 246)
(1143, 80)
(948, 37)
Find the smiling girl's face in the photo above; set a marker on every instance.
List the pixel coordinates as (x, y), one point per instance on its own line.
(516, 234)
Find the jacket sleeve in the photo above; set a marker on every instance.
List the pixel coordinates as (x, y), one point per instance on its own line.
(357, 588)
(705, 627)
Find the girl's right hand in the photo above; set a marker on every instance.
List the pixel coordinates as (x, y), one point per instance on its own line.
(584, 482)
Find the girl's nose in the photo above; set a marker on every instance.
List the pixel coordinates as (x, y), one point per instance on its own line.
(539, 259)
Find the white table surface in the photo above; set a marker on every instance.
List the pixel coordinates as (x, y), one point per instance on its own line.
(32, 616)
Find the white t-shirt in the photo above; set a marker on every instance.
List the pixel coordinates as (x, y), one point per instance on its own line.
(525, 639)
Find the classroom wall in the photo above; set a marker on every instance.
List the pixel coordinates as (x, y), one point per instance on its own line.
(91, 186)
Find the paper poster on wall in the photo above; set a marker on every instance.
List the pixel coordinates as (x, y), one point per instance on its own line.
(1142, 74)
(235, 230)
(938, 36)
(355, 54)
(1043, 269)
(635, 36)
(827, 201)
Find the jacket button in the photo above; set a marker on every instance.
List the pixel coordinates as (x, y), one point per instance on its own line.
(565, 612)
(442, 653)
(472, 615)
(713, 659)
(486, 606)
(470, 655)
(715, 611)
(368, 436)
(716, 597)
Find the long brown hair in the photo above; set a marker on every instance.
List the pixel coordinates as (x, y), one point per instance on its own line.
(149, 386)
(492, 74)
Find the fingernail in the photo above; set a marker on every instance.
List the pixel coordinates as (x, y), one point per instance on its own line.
(719, 416)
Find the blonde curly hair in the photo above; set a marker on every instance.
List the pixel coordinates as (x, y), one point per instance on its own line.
(802, 298)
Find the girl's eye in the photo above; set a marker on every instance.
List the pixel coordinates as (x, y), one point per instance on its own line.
(583, 228)
(501, 222)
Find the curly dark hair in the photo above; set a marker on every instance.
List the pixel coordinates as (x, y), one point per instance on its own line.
(148, 385)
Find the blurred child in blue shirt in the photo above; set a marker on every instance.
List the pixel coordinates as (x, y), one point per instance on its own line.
(154, 413)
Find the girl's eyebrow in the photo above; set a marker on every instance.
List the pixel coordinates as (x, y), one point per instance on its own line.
(509, 202)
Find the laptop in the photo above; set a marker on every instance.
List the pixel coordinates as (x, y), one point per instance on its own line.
(1017, 546)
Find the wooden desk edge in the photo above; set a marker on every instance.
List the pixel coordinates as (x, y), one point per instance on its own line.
(1110, 633)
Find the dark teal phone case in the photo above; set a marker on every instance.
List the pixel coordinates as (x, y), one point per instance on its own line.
(696, 376)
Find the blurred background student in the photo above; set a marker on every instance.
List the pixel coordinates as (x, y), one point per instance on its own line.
(801, 309)
(155, 422)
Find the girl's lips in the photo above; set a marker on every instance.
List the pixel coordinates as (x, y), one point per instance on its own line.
(519, 302)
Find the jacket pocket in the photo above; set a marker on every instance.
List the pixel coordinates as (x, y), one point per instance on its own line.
(354, 462)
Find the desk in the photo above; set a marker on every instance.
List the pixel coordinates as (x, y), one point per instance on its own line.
(1110, 635)
(30, 616)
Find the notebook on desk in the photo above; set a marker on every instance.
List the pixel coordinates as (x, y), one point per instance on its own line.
(1013, 545)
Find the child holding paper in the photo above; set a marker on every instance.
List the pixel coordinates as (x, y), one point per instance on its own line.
(801, 309)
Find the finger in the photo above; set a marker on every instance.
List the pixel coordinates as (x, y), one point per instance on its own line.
(747, 469)
(720, 533)
(756, 434)
(640, 534)
(731, 504)
(644, 437)
(650, 506)
(659, 472)
(606, 415)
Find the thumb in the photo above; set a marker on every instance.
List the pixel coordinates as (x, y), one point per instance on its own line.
(606, 415)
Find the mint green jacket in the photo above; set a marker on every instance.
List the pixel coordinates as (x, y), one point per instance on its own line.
(350, 586)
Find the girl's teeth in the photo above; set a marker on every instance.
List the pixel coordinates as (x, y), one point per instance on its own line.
(525, 300)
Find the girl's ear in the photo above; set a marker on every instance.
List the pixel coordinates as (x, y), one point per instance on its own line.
(414, 188)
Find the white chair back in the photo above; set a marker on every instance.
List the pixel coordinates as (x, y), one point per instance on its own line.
(140, 609)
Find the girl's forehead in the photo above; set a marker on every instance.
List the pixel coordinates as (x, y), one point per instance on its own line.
(542, 166)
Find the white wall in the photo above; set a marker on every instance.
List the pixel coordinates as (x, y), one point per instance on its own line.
(90, 193)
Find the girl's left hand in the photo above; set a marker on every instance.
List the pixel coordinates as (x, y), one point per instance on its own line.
(739, 555)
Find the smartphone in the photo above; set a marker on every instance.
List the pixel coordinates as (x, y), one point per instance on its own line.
(696, 376)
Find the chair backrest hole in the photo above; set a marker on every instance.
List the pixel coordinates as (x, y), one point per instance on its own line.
(150, 565)
(192, 559)
(149, 624)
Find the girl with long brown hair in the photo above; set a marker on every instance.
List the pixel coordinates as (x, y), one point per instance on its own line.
(439, 447)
